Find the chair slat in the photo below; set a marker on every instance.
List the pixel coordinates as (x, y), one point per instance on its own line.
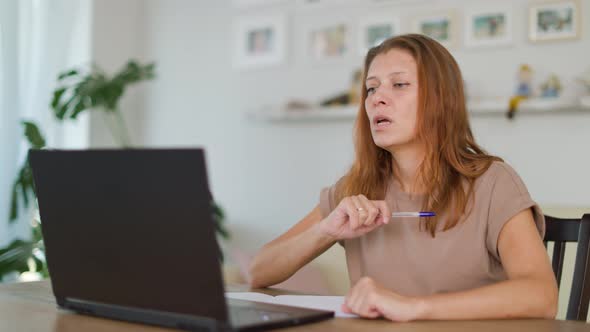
(580, 295)
(557, 260)
(566, 230)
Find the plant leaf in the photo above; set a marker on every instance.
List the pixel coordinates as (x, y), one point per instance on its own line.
(33, 135)
(24, 190)
(37, 236)
(78, 108)
(95, 90)
(13, 203)
(67, 74)
(57, 96)
(14, 257)
(60, 110)
(24, 182)
(222, 231)
(219, 217)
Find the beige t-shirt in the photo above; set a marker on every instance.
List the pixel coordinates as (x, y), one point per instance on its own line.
(409, 261)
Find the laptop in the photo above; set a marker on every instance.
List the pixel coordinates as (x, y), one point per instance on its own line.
(129, 235)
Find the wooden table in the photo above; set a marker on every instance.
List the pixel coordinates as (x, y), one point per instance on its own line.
(31, 307)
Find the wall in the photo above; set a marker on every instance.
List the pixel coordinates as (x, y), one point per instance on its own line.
(117, 37)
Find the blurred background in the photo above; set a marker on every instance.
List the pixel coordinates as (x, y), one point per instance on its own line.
(267, 87)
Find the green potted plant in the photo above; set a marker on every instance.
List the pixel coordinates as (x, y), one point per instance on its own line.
(77, 92)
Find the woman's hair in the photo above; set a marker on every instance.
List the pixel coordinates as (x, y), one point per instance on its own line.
(452, 159)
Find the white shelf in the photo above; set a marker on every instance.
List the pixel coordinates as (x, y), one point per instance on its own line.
(495, 107)
(527, 106)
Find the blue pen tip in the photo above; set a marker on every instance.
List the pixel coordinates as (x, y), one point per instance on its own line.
(427, 214)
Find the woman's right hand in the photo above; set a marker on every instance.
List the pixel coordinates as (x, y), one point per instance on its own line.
(353, 217)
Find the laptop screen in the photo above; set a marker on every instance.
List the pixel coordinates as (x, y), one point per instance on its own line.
(117, 223)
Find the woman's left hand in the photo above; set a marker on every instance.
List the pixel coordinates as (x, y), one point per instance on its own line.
(370, 300)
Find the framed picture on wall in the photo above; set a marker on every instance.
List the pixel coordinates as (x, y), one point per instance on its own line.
(488, 27)
(441, 26)
(329, 42)
(259, 41)
(374, 30)
(554, 20)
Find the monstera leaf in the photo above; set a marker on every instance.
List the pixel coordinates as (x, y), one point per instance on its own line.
(79, 91)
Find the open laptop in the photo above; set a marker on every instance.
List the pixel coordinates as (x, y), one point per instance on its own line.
(129, 235)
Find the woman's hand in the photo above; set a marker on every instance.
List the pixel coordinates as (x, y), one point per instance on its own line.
(369, 300)
(355, 216)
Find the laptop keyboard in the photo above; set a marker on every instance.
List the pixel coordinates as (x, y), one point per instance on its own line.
(239, 314)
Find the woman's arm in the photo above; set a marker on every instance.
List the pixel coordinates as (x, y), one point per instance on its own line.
(279, 259)
(282, 257)
(530, 291)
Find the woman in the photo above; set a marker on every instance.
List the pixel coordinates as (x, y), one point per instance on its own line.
(480, 257)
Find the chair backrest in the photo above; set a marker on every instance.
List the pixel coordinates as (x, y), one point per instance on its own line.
(560, 231)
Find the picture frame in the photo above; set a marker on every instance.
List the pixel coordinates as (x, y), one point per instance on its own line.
(372, 30)
(554, 20)
(441, 26)
(488, 27)
(329, 42)
(259, 41)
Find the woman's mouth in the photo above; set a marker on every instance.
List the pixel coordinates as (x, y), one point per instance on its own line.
(381, 121)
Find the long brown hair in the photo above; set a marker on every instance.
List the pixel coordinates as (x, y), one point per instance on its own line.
(452, 159)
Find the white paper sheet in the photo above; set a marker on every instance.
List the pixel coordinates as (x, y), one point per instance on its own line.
(331, 303)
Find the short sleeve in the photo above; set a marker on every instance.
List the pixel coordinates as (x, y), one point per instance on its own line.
(509, 196)
(327, 201)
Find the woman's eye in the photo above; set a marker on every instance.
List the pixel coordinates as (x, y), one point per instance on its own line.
(370, 90)
(400, 85)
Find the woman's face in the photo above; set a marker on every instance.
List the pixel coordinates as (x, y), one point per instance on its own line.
(392, 99)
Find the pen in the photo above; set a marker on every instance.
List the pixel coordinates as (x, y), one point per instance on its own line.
(413, 214)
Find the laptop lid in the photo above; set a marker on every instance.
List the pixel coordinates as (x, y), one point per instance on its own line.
(130, 227)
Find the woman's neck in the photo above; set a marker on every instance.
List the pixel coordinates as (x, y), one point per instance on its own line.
(406, 163)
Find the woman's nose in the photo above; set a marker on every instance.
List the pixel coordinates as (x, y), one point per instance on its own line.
(378, 98)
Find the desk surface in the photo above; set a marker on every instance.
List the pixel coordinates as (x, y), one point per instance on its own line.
(31, 307)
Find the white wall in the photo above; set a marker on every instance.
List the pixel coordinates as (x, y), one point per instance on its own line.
(117, 37)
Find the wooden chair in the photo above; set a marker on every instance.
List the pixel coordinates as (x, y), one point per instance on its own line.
(560, 231)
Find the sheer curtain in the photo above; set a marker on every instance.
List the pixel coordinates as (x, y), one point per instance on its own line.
(39, 39)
